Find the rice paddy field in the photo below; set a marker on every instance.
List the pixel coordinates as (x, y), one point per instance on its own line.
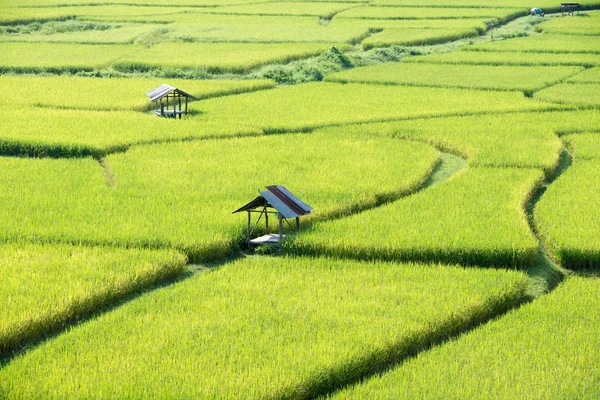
(450, 152)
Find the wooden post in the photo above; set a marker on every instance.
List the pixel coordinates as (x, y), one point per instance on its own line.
(266, 220)
(186, 100)
(179, 107)
(297, 223)
(280, 229)
(249, 222)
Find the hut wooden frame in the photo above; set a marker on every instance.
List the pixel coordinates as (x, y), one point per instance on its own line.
(170, 101)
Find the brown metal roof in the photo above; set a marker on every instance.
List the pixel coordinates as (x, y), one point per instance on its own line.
(164, 90)
(281, 199)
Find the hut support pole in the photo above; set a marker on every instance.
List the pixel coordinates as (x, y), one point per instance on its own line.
(297, 223)
(179, 107)
(266, 220)
(280, 229)
(249, 223)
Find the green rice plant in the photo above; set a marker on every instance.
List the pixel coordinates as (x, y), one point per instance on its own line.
(580, 94)
(216, 57)
(116, 34)
(547, 5)
(18, 15)
(116, 12)
(546, 349)
(47, 132)
(527, 140)
(324, 9)
(108, 94)
(374, 25)
(509, 58)
(591, 75)
(587, 24)
(430, 13)
(313, 105)
(414, 37)
(263, 327)
(263, 29)
(181, 195)
(546, 43)
(476, 217)
(567, 214)
(46, 287)
(462, 76)
(34, 57)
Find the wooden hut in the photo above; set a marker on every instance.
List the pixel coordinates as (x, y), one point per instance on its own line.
(169, 101)
(275, 200)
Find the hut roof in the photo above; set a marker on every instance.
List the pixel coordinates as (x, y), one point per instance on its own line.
(280, 199)
(164, 90)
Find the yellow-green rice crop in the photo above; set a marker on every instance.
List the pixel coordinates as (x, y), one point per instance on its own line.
(182, 194)
(45, 287)
(581, 94)
(117, 34)
(430, 13)
(297, 8)
(266, 29)
(526, 140)
(113, 12)
(567, 215)
(544, 4)
(18, 15)
(216, 57)
(263, 327)
(585, 24)
(475, 217)
(57, 57)
(108, 94)
(542, 44)
(416, 37)
(491, 77)
(545, 350)
(591, 75)
(404, 24)
(509, 58)
(319, 104)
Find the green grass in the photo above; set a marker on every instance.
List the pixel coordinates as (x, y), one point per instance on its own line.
(587, 24)
(546, 349)
(216, 57)
(34, 57)
(460, 76)
(181, 195)
(263, 327)
(45, 287)
(476, 217)
(509, 58)
(567, 214)
(580, 94)
(546, 43)
(109, 94)
(591, 75)
(430, 13)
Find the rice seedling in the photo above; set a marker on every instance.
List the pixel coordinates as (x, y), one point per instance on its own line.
(490, 77)
(430, 13)
(108, 94)
(215, 57)
(567, 214)
(34, 57)
(591, 75)
(546, 43)
(45, 287)
(263, 327)
(509, 58)
(476, 217)
(545, 349)
(181, 195)
(580, 94)
(587, 24)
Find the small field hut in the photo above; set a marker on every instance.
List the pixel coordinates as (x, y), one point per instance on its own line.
(169, 101)
(275, 200)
